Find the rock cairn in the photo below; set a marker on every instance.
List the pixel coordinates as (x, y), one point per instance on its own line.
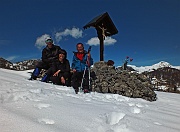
(108, 79)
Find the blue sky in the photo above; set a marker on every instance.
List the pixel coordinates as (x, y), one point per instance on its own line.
(148, 30)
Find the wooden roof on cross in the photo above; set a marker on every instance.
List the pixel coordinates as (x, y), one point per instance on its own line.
(104, 21)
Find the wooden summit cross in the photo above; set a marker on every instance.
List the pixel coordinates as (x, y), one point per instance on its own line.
(104, 27)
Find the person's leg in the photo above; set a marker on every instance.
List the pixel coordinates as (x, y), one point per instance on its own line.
(86, 84)
(67, 78)
(35, 73)
(47, 75)
(55, 80)
(76, 81)
(39, 66)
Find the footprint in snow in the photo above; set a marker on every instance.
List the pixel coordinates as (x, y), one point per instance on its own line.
(138, 105)
(36, 91)
(135, 110)
(131, 104)
(114, 118)
(46, 121)
(157, 123)
(40, 106)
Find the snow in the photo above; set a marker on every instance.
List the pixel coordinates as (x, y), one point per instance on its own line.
(31, 106)
(155, 66)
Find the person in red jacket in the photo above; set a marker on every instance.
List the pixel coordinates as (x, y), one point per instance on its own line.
(82, 60)
(49, 55)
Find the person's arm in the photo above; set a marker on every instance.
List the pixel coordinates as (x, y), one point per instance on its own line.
(44, 56)
(87, 58)
(73, 64)
(56, 73)
(67, 67)
(54, 57)
(91, 61)
(48, 58)
(55, 69)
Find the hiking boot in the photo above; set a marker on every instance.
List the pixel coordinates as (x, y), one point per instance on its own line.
(76, 90)
(45, 78)
(32, 78)
(86, 91)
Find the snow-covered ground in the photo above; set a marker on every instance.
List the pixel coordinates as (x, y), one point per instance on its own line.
(155, 66)
(33, 106)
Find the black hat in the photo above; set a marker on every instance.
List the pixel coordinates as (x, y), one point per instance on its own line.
(62, 51)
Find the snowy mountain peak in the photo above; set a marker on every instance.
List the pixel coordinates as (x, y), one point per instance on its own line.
(161, 64)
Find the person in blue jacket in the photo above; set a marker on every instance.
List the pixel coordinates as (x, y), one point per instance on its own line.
(80, 63)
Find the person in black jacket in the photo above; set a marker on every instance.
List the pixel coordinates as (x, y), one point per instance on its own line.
(49, 55)
(61, 70)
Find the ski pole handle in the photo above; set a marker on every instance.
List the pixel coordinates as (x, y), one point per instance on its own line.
(89, 49)
(88, 58)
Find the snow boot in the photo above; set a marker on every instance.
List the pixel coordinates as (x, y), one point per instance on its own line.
(45, 78)
(76, 90)
(35, 74)
(86, 91)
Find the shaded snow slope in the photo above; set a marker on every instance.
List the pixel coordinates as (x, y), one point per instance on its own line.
(31, 106)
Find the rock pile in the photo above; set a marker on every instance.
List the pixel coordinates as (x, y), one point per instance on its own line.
(108, 79)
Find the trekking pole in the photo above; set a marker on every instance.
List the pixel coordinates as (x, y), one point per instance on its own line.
(82, 79)
(89, 78)
(88, 63)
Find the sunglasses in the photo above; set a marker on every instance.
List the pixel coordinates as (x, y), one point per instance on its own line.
(49, 41)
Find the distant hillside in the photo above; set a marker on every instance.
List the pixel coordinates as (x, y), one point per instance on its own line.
(25, 65)
(20, 66)
(161, 64)
(165, 79)
(163, 76)
(5, 64)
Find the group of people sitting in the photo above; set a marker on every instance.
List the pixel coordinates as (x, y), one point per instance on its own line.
(57, 66)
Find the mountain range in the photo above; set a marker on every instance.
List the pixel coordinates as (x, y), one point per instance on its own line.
(161, 64)
(19, 66)
(162, 75)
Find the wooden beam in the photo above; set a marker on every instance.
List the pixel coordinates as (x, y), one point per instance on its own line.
(101, 48)
(101, 40)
